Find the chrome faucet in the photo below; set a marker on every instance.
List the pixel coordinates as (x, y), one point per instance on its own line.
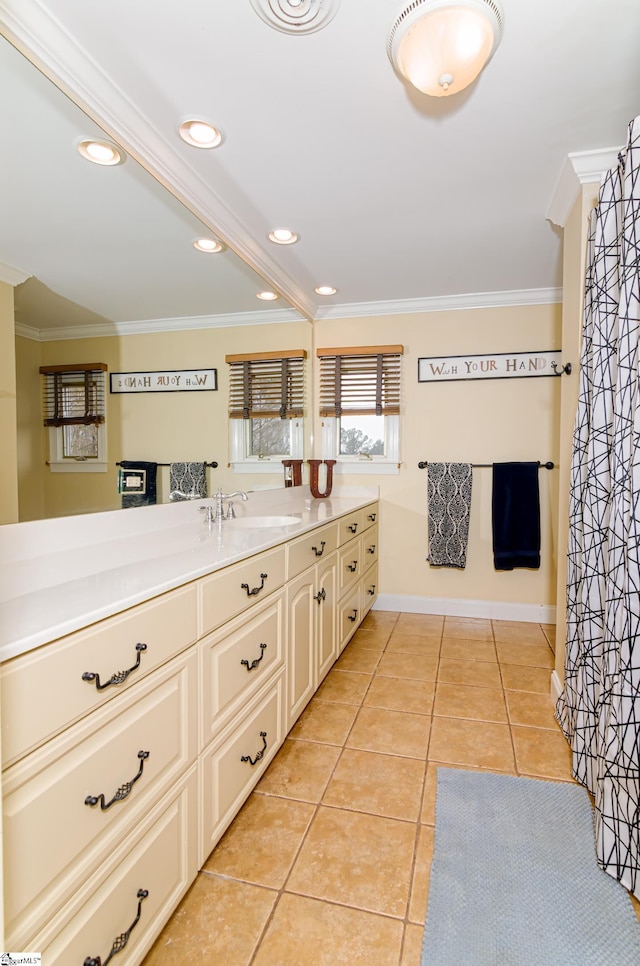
(217, 515)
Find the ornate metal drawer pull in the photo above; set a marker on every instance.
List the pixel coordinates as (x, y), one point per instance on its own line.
(372, 548)
(120, 941)
(353, 566)
(119, 677)
(352, 527)
(260, 754)
(319, 552)
(255, 590)
(123, 792)
(354, 616)
(372, 517)
(320, 596)
(372, 590)
(256, 661)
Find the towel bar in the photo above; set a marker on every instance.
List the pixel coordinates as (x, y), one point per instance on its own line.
(422, 465)
(212, 463)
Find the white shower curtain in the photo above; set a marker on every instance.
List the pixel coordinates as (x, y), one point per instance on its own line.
(599, 709)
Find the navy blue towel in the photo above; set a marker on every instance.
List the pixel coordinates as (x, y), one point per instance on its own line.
(515, 505)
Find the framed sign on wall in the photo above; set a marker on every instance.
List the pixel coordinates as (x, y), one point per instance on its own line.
(497, 365)
(174, 380)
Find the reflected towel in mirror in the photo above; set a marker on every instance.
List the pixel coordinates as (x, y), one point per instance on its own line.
(187, 481)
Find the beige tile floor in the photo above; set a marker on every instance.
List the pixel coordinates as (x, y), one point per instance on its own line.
(328, 861)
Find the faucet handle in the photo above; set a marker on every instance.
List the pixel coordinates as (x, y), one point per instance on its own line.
(230, 511)
(209, 513)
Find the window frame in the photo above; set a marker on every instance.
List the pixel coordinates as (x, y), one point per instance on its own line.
(58, 462)
(330, 424)
(241, 459)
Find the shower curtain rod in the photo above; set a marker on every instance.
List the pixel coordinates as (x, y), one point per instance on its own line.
(546, 466)
(212, 463)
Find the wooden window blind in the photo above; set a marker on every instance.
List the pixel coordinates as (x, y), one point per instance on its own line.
(360, 381)
(267, 384)
(73, 394)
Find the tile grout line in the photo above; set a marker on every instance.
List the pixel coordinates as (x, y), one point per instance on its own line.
(283, 888)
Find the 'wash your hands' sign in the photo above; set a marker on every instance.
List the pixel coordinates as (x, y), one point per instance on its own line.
(500, 365)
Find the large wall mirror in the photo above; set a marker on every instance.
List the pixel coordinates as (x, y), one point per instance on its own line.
(111, 272)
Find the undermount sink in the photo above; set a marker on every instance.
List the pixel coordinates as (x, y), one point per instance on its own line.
(262, 523)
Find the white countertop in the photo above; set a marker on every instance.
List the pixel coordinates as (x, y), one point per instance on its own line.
(59, 575)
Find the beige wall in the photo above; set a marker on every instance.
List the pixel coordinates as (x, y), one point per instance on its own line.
(32, 451)
(480, 422)
(483, 421)
(8, 431)
(576, 233)
(164, 427)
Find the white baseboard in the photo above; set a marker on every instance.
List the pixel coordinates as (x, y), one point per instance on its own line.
(452, 607)
(556, 688)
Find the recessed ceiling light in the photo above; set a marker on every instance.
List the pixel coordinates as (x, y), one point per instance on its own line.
(199, 134)
(267, 296)
(100, 152)
(208, 245)
(283, 236)
(326, 290)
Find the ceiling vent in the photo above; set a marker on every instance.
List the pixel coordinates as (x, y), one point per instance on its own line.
(296, 16)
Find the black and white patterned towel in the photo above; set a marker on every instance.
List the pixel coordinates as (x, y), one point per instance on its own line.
(448, 507)
(187, 481)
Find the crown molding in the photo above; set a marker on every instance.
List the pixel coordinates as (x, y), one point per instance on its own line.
(12, 276)
(443, 303)
(33, 30)
(579, 168)
(27, 332)
(150, 326)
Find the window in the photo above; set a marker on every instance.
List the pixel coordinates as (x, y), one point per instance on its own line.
(74, 410)
(266, 408)
(360, 405)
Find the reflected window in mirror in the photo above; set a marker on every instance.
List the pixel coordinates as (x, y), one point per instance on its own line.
(266, 408)
(360, 407)
(74, 411)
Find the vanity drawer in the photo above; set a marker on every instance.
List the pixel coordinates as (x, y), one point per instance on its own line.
(370, 546)
(369, 589)
(232, 590)
(43, 691)
(53, 839)
(349, 526)
(160, 857)
(309, 549)
(236, 661)
(370, 515)
(350, 565)
(349, 616)
(230, 770)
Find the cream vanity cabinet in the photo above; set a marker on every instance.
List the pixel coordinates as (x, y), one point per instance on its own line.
(100, 743)
(311, 615)
(129, 746)
(357, 570)
(242, 666)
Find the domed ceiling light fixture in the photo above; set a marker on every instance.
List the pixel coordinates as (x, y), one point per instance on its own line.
(440, 46)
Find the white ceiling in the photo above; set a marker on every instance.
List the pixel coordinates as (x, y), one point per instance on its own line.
(399, 199)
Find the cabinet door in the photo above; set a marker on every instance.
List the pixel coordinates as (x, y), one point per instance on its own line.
(369, 589)
(160, 859)
(326, 616)
(301, 630)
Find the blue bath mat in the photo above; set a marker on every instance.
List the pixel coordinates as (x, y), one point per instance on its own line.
(514, 880)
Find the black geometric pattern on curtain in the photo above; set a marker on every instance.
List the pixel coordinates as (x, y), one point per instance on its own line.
(599, 708)
(448, 509)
